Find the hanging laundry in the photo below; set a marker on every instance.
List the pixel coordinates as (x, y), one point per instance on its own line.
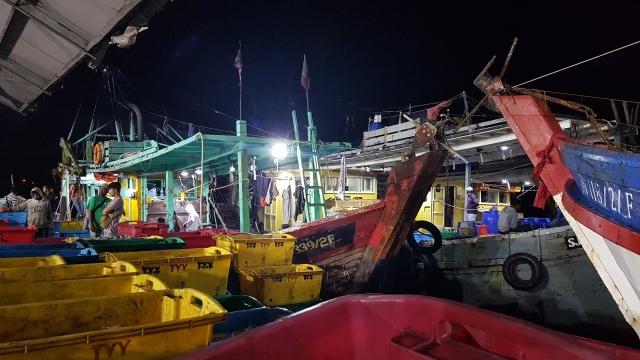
(272, 193)
(342, 180)
(300, 201)
(260, 190)
(287, 206)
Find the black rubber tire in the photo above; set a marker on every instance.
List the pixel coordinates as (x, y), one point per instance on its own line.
(510, 266)
(435, 233)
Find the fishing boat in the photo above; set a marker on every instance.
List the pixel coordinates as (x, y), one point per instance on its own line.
(356, 248)
(542, 276)
(595, 185)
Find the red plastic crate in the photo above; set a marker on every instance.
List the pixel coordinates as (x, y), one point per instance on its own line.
(405, 328)
(17, 234)
(4, 223)
(201, 238)
(141, 228)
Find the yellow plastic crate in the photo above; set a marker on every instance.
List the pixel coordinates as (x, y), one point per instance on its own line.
(64, 272)
(31, 261)
(204, 269)
(148, 325)
(21, 293)
(72, 225)
(258, 250)
(282, 285)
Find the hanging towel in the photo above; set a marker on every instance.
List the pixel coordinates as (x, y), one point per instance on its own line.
(287, 205)
(300, 201)
(272, 193)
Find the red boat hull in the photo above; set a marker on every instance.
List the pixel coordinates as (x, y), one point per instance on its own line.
(350, 246)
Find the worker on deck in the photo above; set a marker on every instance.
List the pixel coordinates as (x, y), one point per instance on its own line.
(95, 206)
(193, 220)
(11, 200)
(40, 212)
(508, 220)
(472, 205)
(113, 212)
(49, 193)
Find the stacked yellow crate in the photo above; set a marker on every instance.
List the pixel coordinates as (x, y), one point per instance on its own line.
(264, 264)
(205, 269)
(89, 311)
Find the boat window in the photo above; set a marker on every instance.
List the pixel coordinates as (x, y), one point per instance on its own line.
(492, 196)
(367, 184)
(504, 198)
(484, 196)
(331, 184)
(353, 184)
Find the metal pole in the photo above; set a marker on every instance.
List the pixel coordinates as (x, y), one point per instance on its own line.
(243, 183)
(297, 135)
(169, 193)
(143, 198)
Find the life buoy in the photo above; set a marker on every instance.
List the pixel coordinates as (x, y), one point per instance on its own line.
(510, 271)
(107, 176)
(435, 234)
(98, 153)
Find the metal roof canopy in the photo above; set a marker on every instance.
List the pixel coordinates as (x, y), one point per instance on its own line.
(220, 151)
(382, 147)
(40, 40)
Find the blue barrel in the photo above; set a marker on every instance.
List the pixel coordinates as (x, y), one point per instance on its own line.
(490, 218)
(545, 223)
(16, 218)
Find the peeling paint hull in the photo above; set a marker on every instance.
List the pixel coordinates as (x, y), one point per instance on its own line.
(572, 297)
(350, 246)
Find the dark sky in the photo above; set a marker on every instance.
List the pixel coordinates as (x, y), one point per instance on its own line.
(378, 55)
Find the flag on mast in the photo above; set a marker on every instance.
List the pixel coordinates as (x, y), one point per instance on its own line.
(238, 63)
(305, 80)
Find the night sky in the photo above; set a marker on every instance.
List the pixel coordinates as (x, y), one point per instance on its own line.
(361, 55)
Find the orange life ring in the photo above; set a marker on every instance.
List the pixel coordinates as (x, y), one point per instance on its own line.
(107, 176)
(98, 153)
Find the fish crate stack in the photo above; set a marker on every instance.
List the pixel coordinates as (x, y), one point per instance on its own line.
(53, 310)
(263, 266)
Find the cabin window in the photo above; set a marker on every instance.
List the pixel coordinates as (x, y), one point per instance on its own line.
(492, 196)
(504, 198)
(357, 184)
(367, 184)
(353, 184)
(331, 184)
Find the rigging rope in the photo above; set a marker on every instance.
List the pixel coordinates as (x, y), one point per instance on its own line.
(580, 63)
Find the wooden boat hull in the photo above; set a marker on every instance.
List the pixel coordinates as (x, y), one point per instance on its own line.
(571, 297)
(612, 245)
(352, 246)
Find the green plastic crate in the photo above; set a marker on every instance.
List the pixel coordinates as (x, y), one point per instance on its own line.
(238, 302)
(133, 244)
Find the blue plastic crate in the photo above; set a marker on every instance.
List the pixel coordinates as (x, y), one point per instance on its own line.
(42, 247)
(66, 253)
(16, 218)
(76, 234)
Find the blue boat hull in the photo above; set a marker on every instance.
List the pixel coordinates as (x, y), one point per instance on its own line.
(608, 182)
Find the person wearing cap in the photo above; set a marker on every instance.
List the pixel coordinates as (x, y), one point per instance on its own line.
(471, 209)
(112, 213)
(95, 207)
(39, 210)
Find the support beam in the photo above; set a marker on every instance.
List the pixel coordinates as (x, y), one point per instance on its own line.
(243, 181)
(143, 198)
(68, 36)
(169, 193)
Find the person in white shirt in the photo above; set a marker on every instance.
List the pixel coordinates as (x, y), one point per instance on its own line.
(508, 220)
(193, 221)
